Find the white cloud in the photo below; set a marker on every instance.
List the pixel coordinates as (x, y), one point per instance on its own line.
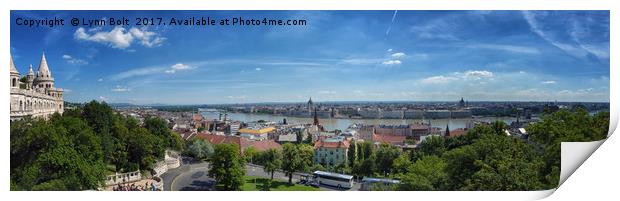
(179, 67)
(390, 50)
(100, 80)
(549, 82)
(258, 69)
(119, 88)
(71, 60)
(398, 55)
(392, 62)
(476, 74)
(470, 75)
(119, 37)
(327, 92)
(147, 38)
(103, 98)
(438, 79)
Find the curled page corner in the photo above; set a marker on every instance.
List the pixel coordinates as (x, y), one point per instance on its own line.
(573, 155)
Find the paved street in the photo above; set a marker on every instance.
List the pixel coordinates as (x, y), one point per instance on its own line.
(193, 177)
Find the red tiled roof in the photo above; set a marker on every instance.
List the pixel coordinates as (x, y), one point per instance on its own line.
(339, 144)
(241, 142)
(419, 126)
(390, 139)
(265, 145)
(458, 132)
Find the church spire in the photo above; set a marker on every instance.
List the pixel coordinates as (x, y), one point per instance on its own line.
(316, 117)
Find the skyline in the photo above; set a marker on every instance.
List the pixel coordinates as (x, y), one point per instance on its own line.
(339, 56)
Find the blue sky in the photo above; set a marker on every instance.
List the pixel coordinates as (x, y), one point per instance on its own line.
(338, 56)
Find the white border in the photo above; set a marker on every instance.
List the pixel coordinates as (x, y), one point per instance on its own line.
(597, 162)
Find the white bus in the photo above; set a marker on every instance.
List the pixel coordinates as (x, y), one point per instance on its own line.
(378, 183)
(333, 179)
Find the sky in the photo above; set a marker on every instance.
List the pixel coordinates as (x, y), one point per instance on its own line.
(336, 56)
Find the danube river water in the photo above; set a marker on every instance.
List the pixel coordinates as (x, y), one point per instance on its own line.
(343, 124)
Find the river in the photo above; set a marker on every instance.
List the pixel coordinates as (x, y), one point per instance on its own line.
(343, 124)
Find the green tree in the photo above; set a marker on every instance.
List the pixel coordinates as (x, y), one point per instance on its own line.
(366, 150)
(293, 161)
(160, 128)
(432, 145)
(306, 152)
(426, 174)
(60, 154)
(368, 166)
(200, 149)
(565, 126)
(401, 164)
(273, 161)
(227, 167)
(386, 154)
(251, 155)
(494, 162)
(352, 153)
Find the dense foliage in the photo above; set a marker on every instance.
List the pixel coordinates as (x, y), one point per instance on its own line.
(483, 159)
(227, 167)
(76, 150)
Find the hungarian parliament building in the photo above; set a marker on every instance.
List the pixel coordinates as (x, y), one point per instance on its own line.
(34, 95)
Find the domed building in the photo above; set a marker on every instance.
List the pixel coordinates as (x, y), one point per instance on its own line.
(34, 95)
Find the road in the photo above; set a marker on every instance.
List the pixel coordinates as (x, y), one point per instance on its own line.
(193, 177)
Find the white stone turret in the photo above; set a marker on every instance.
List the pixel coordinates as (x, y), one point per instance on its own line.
(30, 78)
(14, 74)
(44, 79)
(36, 96)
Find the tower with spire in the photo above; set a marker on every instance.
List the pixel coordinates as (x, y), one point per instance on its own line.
(310, 106)
(44, 79)
(34, 95)
(30, 78)
(14, 74)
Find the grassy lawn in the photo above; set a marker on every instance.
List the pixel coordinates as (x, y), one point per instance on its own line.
(276, 185)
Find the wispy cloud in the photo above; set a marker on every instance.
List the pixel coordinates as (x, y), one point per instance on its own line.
(137, 72)
(119, 88)
(387, 32)
(75, 61)
(440, 79)
(470, 75)
(508, 48)
(548, 82)
(392, 62)
(576, 47)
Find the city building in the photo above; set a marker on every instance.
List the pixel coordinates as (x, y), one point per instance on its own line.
(256, 133)
(34, 95)
(331, 151)
(414, 114)
(241, 142)
(397, 130)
